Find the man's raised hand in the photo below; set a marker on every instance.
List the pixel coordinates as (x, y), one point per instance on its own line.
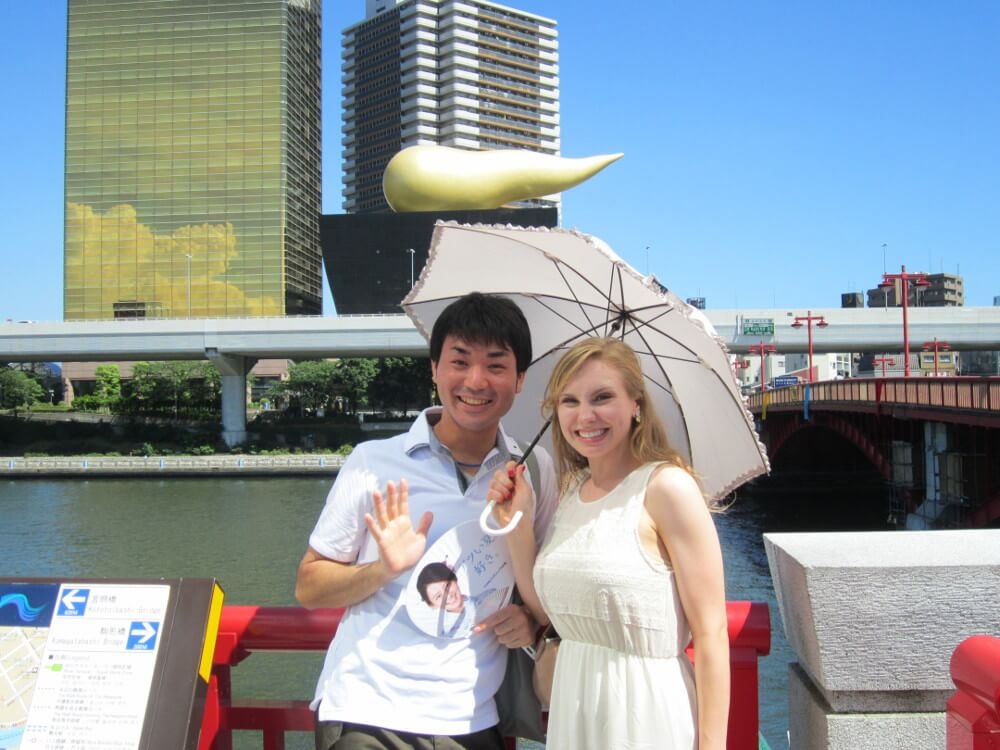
(400, 544)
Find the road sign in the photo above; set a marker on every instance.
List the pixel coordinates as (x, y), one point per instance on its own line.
(758, 326)
(785, 380)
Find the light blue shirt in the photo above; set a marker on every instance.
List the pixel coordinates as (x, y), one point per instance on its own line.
(381, 669)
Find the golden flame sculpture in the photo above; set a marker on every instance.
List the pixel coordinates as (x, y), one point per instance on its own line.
(441, 178)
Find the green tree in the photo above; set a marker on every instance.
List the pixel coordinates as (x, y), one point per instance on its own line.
(173, 388)
(352, 379)
(108, 390)
(402, 383)
(311, 384)
(18, 389)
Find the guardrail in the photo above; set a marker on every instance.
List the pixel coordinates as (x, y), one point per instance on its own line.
(244, 630)
(973, 718)
(971, 393)
(36, 466)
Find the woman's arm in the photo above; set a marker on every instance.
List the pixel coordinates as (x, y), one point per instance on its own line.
(685, 527)
(514, 495)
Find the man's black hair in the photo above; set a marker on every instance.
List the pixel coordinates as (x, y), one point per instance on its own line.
(435, 572)
(484, 319)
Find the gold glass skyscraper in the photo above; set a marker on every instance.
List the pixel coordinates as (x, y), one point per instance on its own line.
(192, 158)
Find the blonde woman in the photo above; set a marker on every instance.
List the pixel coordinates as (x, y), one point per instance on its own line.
(628, 572)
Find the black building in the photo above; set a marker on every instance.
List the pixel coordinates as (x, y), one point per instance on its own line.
(372, 260)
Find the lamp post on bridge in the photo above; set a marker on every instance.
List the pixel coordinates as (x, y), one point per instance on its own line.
(740, 364)
(809, 318)
(884, 361)
(763, 350)
(936, 346)
(412, 253)
(905, 279)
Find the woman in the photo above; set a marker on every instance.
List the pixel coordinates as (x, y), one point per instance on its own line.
(630, 569)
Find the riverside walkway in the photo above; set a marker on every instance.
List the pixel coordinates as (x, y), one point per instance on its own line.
(27, 467)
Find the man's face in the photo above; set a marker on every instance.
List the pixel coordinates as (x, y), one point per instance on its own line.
(476, 383)
(445, 595)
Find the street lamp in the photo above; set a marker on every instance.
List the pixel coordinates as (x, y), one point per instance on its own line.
(188, 256)
(763, 350)
(412, 253)
(740, 364)
(888, 282)
(809, 318)
(936, 346)
(884, 361)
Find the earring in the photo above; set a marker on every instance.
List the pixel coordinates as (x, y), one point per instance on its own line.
(637, 416)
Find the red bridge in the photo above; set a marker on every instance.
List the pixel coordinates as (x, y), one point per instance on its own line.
(934, 441)
(245, 630)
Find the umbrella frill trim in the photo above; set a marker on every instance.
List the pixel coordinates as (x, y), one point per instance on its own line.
(694, 315)
(650, 282)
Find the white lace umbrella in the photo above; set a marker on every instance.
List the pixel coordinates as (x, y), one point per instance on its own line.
(572, 286)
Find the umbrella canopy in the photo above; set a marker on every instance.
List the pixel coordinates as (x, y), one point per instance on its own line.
(572, 286)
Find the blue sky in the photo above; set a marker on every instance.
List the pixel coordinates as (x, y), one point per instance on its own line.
(771, 147)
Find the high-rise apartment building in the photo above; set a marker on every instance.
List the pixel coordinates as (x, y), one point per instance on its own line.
(463, 73)
(192, 158)
(940, 290)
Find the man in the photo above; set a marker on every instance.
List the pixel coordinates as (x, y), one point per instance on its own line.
(386, 683)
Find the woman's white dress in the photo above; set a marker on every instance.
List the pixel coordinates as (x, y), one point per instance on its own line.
(622, 679)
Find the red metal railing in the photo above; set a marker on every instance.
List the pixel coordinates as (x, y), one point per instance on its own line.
(972, 393)
(974, 709)
(244, 630)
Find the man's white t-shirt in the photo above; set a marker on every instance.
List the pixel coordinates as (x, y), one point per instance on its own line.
(381, 669)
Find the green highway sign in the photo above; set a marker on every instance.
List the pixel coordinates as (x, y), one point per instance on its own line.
(758, 326)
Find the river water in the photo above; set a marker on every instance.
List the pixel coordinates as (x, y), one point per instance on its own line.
(250, 533)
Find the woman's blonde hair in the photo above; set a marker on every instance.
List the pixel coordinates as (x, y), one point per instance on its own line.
(647, 438)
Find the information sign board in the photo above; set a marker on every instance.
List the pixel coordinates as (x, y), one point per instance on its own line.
(109, 664)
(782, 381)
(758, 326)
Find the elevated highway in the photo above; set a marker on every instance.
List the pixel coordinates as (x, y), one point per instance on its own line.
(235, 344)
(850, 330)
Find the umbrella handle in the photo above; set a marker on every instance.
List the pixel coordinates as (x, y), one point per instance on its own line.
(484, 518)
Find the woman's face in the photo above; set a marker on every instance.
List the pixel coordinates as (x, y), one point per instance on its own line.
(445, 595)
(595, 412)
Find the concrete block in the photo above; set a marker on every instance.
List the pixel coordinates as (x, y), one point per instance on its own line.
(813, 724)
(875, 616)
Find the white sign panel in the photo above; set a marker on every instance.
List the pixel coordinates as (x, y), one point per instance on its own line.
(95, 672)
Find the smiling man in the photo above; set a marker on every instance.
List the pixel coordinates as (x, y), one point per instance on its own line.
(385, 683)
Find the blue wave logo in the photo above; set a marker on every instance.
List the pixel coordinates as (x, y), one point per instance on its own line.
(20, 602)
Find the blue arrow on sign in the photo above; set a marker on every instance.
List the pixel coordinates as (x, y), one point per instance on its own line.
(73, 603)
(142, 635)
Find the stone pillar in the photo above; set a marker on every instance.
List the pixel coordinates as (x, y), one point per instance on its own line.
(234, 371)
(874, 618)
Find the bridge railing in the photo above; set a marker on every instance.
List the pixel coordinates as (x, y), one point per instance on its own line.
(973, 713)
(972, 393)
(244, 630)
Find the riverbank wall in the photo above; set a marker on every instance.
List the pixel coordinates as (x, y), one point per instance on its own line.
(38, 467)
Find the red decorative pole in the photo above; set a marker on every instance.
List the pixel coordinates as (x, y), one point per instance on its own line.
(936, 346)
(918, 279)
(884, 361)
(762, 349)
(809, 318)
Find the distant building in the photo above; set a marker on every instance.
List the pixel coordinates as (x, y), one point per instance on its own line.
(942, 290)
(698, 302)
(471, 74)
(374, 259)
(192, 158)
(851, 300)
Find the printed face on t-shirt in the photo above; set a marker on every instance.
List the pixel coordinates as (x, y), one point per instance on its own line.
(445, 595)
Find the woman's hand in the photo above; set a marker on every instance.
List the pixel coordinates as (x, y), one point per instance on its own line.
(512, 493)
